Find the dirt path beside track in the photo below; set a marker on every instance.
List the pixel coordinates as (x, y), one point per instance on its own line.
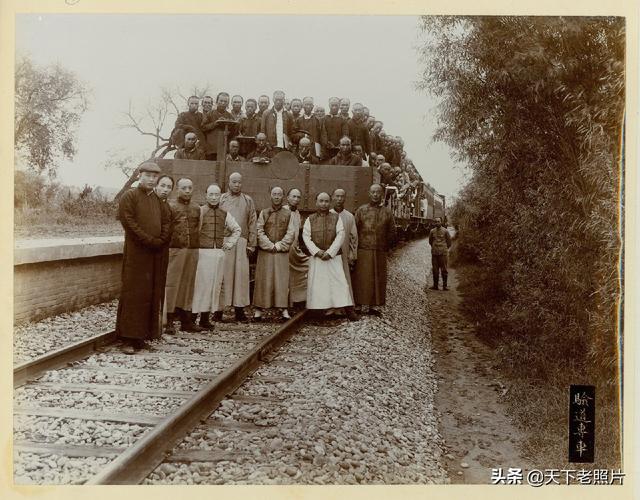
(477, 432)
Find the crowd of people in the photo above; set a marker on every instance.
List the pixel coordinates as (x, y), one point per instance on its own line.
(346, 135)
(185, 264)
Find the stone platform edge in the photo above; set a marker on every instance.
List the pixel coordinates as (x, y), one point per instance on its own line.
(48, 250)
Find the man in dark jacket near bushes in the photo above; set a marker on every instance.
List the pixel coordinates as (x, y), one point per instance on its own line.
(440, 241)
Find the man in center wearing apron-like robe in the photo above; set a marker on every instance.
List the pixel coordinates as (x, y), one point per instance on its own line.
(327, 286)
(276, 230)
(215, 223)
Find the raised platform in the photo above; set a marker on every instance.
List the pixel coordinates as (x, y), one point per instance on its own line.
(57, 275)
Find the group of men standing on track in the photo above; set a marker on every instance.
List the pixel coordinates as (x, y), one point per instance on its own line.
(181, 259)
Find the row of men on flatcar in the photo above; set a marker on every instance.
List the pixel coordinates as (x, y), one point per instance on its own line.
(286, 123)
(183, 260)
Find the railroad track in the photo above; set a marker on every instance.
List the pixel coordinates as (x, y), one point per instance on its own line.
(162, 393)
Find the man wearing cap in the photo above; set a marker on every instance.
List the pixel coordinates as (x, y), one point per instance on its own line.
(277, 123)
(334, 127)
(327, 287)
(235, 283)
(276, 231)
(183, 257)
(190, 151)
(147, 226)
(440, 241)
(215, 224)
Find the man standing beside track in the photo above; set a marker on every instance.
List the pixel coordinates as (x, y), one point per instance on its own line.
(440, 241)
(147, 227)
(183, 258)
(275, 228)
(327, 286)
(214, 223)
(350, 243)
(376, 231)
(235, 283)
(298, 260)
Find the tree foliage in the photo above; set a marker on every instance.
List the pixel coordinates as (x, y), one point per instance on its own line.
(49, 103)
(535, 108)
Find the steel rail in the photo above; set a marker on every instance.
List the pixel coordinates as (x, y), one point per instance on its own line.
(59, 358)
(139, 460)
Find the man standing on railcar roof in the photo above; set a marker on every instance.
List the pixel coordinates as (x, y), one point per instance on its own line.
(327, 287)
(235, 282)
(440, 241)
(263, 105)
(188, 121)
(276, 230)
(304, 152)
(277, 123)
(214, 224)
(334, 127)
(376, 232)
(147, 226)
(191, 150)
(345, 156)
(183, 258)
(357, 130)
(250, 124)
(236, 107)
(212, 128)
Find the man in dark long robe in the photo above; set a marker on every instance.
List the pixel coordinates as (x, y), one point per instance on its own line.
(211, 128)
(147, 225)
(250, 124)
(357, 130)
(376, 232)
(334, 127)
(188, 121)
(183, 258)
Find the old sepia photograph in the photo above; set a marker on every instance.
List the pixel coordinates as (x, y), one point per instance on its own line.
(269, 249)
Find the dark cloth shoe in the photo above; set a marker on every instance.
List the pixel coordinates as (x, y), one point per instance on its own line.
(375, 312)
(187, 323)
(217, 316)
(240, 314)
(351, 314)
(128, 349)
(444, 283)
(204, 321)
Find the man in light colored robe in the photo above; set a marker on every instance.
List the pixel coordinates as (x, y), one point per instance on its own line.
(235, 283)
(214, 224)
(350, 243)
(298, 260)
(327, 287)
(276, 230)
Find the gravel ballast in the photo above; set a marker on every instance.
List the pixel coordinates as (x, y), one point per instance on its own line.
(358, 411)
(35, 339)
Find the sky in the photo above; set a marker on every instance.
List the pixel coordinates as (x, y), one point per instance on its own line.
(129, 58)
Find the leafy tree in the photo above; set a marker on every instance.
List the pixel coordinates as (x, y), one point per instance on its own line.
(49, 103)
(535, 107)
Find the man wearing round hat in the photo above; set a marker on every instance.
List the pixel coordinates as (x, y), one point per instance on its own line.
(147, 226)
